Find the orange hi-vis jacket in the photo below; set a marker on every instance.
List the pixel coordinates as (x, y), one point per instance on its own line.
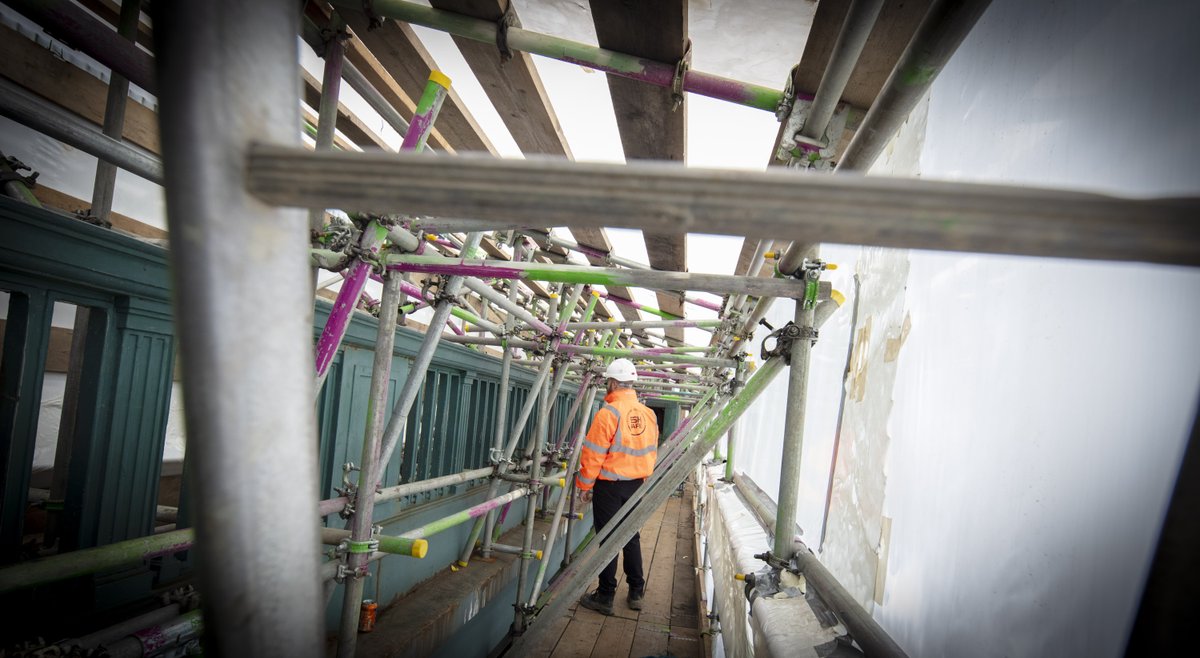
(621, 444)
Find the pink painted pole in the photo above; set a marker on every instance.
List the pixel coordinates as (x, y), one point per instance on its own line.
(374, 236)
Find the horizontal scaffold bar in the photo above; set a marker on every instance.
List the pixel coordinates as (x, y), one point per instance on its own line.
(781, 204)
(644, 324)
(661, 74)
(652, 354)
(604, 276)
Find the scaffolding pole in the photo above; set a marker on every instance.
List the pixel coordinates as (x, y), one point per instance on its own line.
(660, 74)
(610, 276)
(246, 388)
(114, 116)
(793, 431)
(376, 231)
(361, 530)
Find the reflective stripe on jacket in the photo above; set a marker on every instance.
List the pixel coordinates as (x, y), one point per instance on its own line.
(621, 444)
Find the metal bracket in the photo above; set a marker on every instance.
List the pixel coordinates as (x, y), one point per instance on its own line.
(335, 31)
(818, 153)
(90, 217)
(784, 336)
(16, 167)
(343, 573)
(496, 456)
(788, 98)
(507, 19)
(374, 20)
(681, 69)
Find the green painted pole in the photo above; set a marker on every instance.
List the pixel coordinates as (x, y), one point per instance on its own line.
(407, 546)
(92, 560)
(445, 523)
(661, 74)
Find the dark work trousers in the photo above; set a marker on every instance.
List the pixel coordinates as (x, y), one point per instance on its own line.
(607, 498)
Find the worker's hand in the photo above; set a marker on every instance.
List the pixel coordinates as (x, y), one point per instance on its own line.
(585, 497)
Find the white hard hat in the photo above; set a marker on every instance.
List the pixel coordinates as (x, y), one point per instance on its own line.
(621, 370)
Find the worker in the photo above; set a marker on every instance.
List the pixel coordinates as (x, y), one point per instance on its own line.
(618, 455)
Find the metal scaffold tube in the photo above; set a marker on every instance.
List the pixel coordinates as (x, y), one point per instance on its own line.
(327, 112)
(398, 423)
(650, 354)
(944, 27)
(793, 432)
(503, 461)
(643, 324)
(361, 529)
(531, 502)
(93, 560)
(501, 420)
(27, 109)
(114, 115)
(661, 74)
(567, 492)
(376, 232)
(551, 272)
(240, 266)
(860, 18)
(334, 505)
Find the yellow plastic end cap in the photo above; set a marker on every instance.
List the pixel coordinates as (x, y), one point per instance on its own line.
(837, 297)
(596, 294)
(739, 576)
(539, 555)
(420, 548)
(430, 237)
(769, 255)
(562, 482)
(831, 266)
(553, 295)
(440, 78)
(466, 327)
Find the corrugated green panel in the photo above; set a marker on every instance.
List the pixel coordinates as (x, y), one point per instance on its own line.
(130, 460)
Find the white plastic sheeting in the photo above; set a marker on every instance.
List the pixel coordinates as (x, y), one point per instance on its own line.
(783, 625)
(1040, 406)
(734, 536)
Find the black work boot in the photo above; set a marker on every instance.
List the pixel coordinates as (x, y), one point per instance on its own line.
(598, 601)
(635, 598)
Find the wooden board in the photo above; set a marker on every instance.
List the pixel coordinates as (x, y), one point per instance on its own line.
(65, 202)
(514, 87)
(580, 636)
(897, 21)
(378, 77)
(347, 122)
(616, 638)
(310, 117)
(406, 60)
(110, 12)
(37, 69)
(650, 128)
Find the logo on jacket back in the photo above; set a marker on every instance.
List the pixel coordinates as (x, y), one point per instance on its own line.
(636, 425)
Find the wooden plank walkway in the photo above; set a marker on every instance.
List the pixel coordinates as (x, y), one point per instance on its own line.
(667, 625)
